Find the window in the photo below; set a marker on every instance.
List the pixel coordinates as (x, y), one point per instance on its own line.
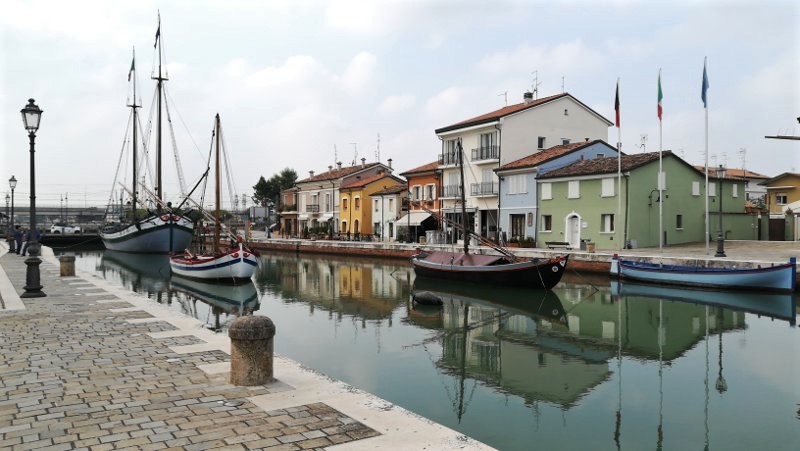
(517, 226)
(517, 184)
(450, 154)
(735, 190)
(417, 192)
(600, 155)
(391, 205)
(344, 204)
(695, 188)
(679, 221)
(328, 202)
(607, 223)
(430, 192)
(547, 191)
(488, 140)
(564, 141)
(712, 189)
(540, 142)
(357, 203)
(573, 189)
(376, 204)
(781, 199)
(607, 188)
(547, 223)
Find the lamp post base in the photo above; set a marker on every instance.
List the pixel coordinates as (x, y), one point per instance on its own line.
(33, 286)
(720, 247)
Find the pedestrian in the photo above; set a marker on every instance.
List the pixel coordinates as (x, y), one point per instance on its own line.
(18, 239)
(28, 237)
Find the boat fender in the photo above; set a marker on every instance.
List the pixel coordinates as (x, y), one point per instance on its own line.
(235, 255)
(165, 218)
(555, 268)
(427, 298)
(176, 218)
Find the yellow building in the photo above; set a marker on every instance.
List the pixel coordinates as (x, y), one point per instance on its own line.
(355, 211)
(783, 193)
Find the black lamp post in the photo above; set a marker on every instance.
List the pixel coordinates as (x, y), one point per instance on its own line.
(12, 183)
(31, 115)
(720, 235)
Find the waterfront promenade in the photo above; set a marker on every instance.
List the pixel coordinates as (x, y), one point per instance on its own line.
(93, 366)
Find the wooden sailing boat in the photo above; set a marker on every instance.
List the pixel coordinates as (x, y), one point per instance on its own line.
(505, 269)
(162, 230)
(236, 263)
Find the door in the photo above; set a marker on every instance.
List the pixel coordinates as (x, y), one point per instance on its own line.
(573, 232)
(777, 229)
(517, 226)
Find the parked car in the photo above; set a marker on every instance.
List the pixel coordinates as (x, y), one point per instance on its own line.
(64, 228)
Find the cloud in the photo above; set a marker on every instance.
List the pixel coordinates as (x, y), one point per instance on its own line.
(445, 104)
(770, 82)
(571, 56)
(296, 69)
(396, 103)
(359, 72)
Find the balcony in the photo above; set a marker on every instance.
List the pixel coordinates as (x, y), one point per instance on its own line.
(484, 189)
(312, 208)
(451, 191)
(448, 158)
(485, 153)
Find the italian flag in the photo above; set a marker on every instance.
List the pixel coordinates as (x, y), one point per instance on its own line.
(660, 95)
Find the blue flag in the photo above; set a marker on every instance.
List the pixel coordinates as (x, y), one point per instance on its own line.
(705, 86)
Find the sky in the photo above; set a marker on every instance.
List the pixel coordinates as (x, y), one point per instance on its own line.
(305, 83)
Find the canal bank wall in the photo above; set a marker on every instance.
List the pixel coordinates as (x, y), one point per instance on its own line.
(739, 254)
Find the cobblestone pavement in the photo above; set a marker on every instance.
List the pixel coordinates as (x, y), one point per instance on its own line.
(82, 369)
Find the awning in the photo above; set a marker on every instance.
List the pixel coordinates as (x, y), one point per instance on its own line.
(415, 220)
(303, 217)
(326, 217)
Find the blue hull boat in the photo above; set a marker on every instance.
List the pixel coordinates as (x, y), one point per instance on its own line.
(776, 278)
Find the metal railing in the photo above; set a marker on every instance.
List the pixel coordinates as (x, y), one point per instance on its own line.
(448, 158)
(451, 191)
(484, 188)
(312, 208)
(485, 153)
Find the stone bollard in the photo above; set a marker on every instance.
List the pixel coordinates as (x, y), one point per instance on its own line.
(251, 350)
(67, 265)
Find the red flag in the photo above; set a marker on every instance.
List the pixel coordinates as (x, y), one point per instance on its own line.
(616, 104)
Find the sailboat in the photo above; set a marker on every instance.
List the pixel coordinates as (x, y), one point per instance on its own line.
(162, 229)
(505, 269)
(235, 263)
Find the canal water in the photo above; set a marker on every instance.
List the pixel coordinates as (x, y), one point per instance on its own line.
(590, 365)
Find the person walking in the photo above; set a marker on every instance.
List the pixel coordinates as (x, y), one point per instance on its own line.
(18, 239)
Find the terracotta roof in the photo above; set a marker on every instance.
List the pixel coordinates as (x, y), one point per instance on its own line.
(364, 181)
(396, 189)
(733, 173)
(511, 109)
(424, 168)
(549, 154)
(607, 165)
(337, 173)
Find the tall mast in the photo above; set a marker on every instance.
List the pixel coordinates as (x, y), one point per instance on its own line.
(216, 186)
(464, 222)
(134, 106)
(160, 88)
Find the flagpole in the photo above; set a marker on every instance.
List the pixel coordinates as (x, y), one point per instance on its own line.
(660, 180)
(619, 164)
(705, 106)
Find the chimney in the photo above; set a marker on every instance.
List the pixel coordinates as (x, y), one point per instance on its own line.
(587, 139)
(390, 163)
(330, 168)
(339, 164)
(527, 97)
(363, 162)
(311, 173)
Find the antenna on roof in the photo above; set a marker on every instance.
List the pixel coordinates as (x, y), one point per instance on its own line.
(335, 154)
(505, 96)
(536, 84)
(643, 142)
(562, 84)
(378, 150)
(743, 153)
(355, 155)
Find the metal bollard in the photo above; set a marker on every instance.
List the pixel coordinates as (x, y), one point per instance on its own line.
(67, 265)
(251, 350)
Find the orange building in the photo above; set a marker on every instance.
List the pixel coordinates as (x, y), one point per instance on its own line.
(354, 199)
(424, 191)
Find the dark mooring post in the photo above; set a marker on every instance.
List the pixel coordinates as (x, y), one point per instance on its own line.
(251, 350)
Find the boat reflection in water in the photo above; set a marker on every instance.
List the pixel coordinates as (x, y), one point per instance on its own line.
(149, 275)
(774, 305)
(227, 299)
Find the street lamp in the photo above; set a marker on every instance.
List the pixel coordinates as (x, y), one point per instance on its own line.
(720, 235)
(12, 183)
(31, 115)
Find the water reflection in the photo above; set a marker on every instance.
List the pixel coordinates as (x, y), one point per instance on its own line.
(215, 304)
(603, 366)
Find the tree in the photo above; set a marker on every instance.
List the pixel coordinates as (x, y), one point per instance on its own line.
(269, 190)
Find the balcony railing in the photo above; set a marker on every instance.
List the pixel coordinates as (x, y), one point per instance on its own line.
(485, 153)
(312, 208)
(484, 189)
(451, 191)
(449, 157)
